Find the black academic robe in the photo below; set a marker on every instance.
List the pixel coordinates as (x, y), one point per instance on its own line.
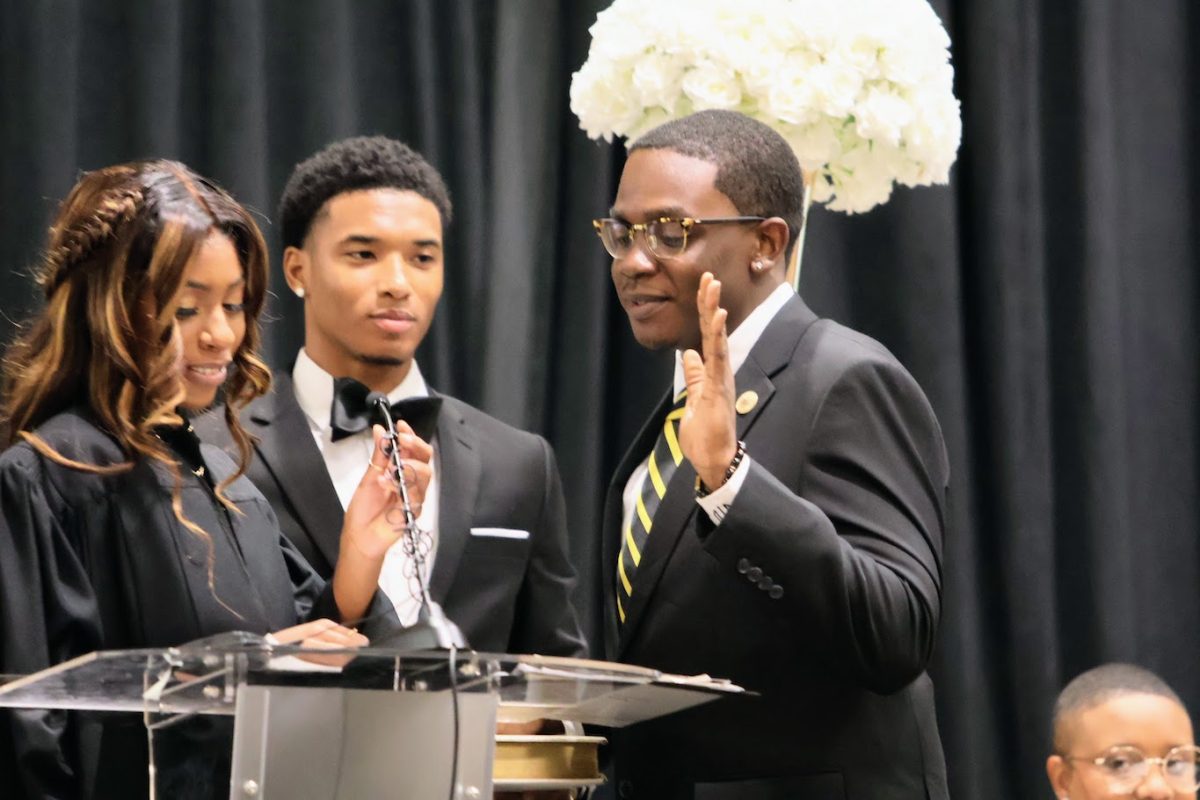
(97, 562)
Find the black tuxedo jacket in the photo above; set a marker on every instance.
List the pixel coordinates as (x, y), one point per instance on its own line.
(820, 590)
(506, 594)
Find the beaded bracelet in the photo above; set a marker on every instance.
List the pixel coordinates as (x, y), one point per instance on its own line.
(733, 465)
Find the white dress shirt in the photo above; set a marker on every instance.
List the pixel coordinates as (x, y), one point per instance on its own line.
(347, 459)
(741, 342)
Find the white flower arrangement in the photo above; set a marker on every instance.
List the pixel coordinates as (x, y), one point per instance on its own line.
(861, 89)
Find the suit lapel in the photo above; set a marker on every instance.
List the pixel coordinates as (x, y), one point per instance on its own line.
(287, 450)
(677, 507)
(459, 471)
(614, 511)
(770, 354)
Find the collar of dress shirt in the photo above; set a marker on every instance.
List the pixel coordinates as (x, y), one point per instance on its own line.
(314, 389)
(743, 339)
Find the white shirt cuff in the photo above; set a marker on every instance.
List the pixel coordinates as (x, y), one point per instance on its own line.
(717, 502)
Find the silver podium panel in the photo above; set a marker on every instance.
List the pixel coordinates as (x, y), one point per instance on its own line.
(345, 744)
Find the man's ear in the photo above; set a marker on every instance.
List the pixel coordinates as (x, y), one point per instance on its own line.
(295, 270)
(1057, 772)
(773, 238)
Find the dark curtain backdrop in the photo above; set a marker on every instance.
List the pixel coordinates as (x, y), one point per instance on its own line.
(1047, 301)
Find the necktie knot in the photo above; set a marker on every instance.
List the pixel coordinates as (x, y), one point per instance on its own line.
(351, 413)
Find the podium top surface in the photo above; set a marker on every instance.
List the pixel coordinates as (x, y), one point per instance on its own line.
(204, 677)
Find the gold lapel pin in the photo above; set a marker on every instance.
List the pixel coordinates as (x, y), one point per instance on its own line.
(746, 402)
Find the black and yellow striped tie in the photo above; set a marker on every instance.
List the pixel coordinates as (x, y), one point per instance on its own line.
(665, 457)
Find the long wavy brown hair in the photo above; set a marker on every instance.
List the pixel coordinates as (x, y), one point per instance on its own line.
(112, 272)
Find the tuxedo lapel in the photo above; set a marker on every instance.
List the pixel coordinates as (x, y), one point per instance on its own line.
(287, 450)
(459, 469)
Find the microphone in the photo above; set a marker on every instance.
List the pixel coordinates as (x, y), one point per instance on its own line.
(433, 630)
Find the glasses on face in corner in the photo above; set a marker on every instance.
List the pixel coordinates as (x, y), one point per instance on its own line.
(1126, 767)
(666, 237)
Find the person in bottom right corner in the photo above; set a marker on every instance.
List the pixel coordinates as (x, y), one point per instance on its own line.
(1120, 731)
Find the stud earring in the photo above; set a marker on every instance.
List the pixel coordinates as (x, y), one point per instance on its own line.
(299, 291)
(758, 265)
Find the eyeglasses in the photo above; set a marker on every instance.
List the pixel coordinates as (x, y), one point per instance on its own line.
(1126, 767)
(666, 237)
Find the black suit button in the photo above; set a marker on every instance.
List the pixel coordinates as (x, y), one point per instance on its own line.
(625, 789)
(754, 574)
(775, 592)
(743, 565)
(765, 584)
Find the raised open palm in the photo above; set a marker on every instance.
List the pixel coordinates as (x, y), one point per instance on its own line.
(708, 429)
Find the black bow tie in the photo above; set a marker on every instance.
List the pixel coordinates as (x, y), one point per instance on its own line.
(351, 413)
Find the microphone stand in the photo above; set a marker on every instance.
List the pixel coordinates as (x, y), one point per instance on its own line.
(433, 630)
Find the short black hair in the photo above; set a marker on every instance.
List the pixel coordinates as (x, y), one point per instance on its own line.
(1101, 684)
(756, 167)
(354, 164)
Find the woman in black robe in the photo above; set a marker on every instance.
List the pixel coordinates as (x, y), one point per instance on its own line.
(118, 528)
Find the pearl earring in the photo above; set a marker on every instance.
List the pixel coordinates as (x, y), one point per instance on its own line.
(299, 290)
(758, 265)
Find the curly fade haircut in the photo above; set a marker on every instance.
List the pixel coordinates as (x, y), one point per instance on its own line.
(756, 168)
(355, 164)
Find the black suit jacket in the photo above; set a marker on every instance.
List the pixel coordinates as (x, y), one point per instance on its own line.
(506, 594)
(843, 510)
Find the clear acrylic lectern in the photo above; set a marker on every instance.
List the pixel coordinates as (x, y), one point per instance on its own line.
(372, 722)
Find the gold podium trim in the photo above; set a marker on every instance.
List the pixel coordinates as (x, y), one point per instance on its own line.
(553, 757)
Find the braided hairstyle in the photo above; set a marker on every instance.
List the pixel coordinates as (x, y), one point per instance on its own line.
(112, 270)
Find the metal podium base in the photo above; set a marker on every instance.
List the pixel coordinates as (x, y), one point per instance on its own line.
(347, 744)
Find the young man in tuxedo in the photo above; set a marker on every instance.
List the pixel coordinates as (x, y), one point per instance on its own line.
(779, 520)
(362, 224)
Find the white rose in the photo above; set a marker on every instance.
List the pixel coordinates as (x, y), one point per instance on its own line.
(657, 79)
(815, 145)
(761, 71)
(791, 95)
(882, 115)
(858, 195)
(602, 101)
(933, 137)
(835, 90)
(712, 86)
(618, 34)
(903, 64)
(860, 54)
(861, 181)
(693, 36)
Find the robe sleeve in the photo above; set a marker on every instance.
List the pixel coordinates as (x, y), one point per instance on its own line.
(314, 597)
(48, 614)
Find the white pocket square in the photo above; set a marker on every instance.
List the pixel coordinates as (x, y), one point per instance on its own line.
(501, 533)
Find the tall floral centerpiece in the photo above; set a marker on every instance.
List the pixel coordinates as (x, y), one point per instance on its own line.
(861, 89)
